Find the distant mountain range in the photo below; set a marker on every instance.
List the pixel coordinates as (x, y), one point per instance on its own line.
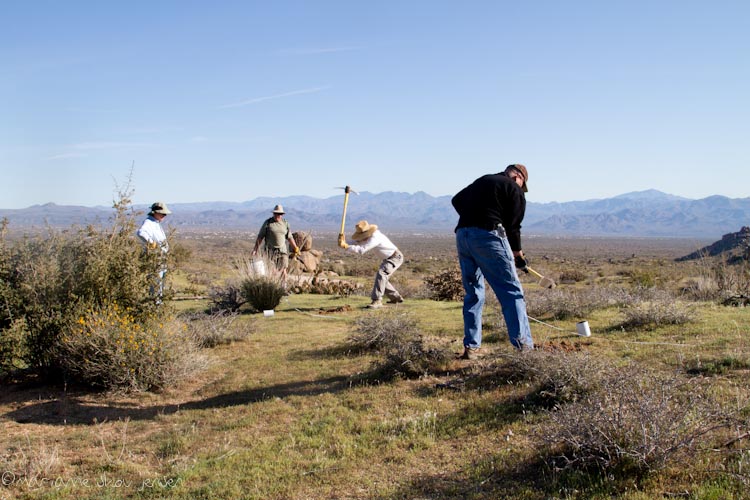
(649, 213)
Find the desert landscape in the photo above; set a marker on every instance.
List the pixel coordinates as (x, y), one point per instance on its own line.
(325, 399)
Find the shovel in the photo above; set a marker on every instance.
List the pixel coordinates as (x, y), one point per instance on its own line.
(543, 281)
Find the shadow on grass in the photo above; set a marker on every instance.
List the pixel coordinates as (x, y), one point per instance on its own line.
(72, 410)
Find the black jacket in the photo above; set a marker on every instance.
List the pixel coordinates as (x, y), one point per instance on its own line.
(491, 200)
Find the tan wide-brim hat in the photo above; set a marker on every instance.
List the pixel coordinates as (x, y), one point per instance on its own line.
(278, 209)
(160, 208)
(363, 230)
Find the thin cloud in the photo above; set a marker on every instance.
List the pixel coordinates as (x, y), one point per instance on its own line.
(87, 146)
(319, 50)
(271, 97)
(65, 156)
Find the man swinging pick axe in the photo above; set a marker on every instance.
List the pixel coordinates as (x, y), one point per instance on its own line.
(367, 237)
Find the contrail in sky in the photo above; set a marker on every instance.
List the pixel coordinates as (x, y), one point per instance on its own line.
(277, 96)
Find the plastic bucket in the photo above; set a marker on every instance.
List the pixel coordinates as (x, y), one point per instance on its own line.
(583, 329)
(259, 267)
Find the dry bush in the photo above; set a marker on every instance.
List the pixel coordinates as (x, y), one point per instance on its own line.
(446, 285)
(636, 421)
(565, 303)
(226, 298)
(326, 286)
(110, 347)
(217, 328)
(396, 337)
(718, 281)
(654, 313)
(382, 331)
(558, 377)
(572, 276)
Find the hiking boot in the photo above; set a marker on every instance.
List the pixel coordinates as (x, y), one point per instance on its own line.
(396, 300)
(470, 353)
(376, 304)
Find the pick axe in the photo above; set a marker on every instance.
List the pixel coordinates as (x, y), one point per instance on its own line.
(347, 190)
(543, 282)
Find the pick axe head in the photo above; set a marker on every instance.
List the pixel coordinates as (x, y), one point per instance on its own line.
(544, 282)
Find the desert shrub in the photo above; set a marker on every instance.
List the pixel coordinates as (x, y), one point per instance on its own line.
(572, 276)
(110, 347)
(382, 331)
(636, 421)
(446, 285)
(564, 303)
(718, 281)
(221, 327)
(558, 377)
(650, 314)
(396, 337)
(226, 298)
(262, 292)
(45, 279)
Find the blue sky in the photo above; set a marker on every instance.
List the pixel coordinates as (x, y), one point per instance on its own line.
(235, 100)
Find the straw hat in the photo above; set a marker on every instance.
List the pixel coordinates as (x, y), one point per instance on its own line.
(160, 208)
(363, 230)
(278, 209)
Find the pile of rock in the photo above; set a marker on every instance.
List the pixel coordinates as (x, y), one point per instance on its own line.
(308, 260)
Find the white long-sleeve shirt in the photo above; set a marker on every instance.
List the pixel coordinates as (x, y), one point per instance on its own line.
(377, 242)
(152, 232)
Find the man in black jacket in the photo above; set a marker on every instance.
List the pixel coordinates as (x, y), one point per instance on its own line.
(488, 240)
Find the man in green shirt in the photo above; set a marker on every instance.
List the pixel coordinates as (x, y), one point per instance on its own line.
(276, 232)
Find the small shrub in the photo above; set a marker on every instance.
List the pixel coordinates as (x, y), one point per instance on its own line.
(382, 331)
(636, 421)
(558, 377)
(226, 298)
(262, 292)
(110, 347)
(210, 330)
(651, 314)
(396, 337)
(446, 285)
(572, 276)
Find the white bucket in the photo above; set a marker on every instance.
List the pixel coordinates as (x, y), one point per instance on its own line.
(582, 327)
(259, 267)
(267, 312)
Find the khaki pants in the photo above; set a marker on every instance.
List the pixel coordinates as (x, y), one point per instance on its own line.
(382, 284)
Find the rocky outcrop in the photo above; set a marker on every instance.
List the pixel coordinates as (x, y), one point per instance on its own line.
(308, 261)
(732, 246)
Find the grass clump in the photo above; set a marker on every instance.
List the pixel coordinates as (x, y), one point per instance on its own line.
(651, 314)
(262, 292)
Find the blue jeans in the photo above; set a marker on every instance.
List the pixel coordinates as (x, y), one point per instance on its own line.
(487, 255)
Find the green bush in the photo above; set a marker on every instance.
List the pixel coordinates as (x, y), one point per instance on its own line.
(47, 281)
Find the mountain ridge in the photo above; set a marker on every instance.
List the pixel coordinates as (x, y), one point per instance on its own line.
(649, 213)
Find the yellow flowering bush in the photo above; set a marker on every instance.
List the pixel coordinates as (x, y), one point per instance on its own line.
(108, 346)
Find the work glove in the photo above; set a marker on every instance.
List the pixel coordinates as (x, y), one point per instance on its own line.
(521, 263)
(296, 251)
(342, 242)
